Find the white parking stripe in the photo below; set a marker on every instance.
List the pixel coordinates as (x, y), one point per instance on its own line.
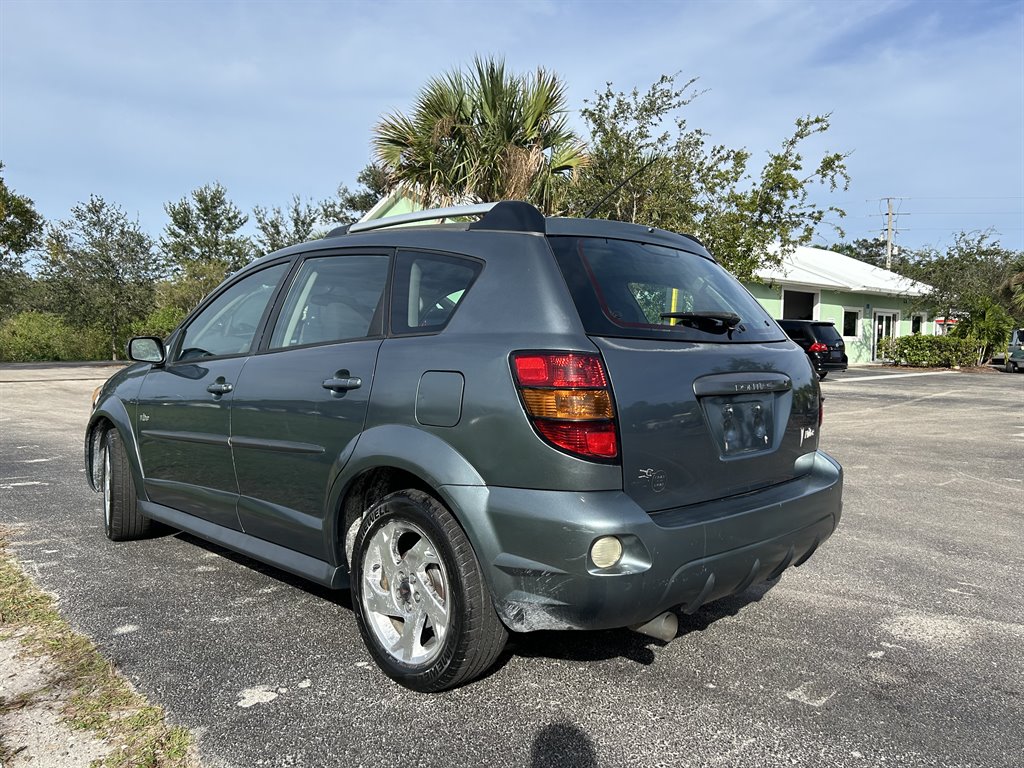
(874, 409)
(877, 376)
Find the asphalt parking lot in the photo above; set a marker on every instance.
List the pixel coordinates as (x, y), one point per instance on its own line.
(900, 643)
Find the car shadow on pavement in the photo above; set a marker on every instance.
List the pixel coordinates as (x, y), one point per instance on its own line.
(562, 745)
(340, 597)
(583, 646)
(608, 644)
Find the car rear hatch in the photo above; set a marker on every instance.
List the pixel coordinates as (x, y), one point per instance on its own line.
(826, 333)
(712, 399)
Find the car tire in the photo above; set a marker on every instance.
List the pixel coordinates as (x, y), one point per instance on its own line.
(822, 375)
(1009, 366)
(419, 597)
(122, 520)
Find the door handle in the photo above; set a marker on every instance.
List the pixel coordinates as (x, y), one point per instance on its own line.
(219, 388)
(342, 383)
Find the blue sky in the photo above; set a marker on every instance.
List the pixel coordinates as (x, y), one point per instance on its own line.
(141, 102)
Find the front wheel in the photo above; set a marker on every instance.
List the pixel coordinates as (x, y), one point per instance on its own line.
(419, 596)
(122, 519)
(822, 375)
(1009, 366)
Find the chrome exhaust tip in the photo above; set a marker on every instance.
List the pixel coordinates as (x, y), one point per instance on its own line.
(663, 627)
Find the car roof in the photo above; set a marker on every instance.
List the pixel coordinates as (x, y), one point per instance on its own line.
(504, 216)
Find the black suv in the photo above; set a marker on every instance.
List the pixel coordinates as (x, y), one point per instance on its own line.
(514, 424)
(821, 341)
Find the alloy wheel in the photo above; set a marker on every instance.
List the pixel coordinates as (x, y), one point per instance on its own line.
(405, 592)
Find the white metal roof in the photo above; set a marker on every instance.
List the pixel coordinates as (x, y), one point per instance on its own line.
(818, 268)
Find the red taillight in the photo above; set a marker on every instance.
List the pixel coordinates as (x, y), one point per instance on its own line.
(567, 396)
(586, 438)
(559, 370)
(818, 347)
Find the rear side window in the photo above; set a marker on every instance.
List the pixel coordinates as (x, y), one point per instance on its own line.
(428, 289)
(333, 298)
(631, 289)
(795, 332)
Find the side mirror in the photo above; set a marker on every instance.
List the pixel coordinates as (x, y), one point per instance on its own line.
(146, 349)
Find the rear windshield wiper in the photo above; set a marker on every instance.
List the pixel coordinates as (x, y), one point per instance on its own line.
(716, 322)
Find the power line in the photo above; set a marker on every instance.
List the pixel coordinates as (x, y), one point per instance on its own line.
(948, 197)
(962, 197)
(951, 213)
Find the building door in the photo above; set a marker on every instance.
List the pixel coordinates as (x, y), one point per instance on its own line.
(885, 327)
(798, 305)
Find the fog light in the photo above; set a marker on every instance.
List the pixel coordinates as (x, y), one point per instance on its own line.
(606, 551)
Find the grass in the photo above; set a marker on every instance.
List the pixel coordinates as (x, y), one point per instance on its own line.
(100, 700)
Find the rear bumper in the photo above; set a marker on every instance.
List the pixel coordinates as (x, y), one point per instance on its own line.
(534, 545)
(821, 363)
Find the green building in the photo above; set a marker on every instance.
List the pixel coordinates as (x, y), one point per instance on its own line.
(866, 303)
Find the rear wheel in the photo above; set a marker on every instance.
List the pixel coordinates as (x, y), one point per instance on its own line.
(122, 519)
(419, 597)
(1009, 366)
(822, 375)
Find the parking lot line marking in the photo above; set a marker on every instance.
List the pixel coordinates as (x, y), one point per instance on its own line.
(877, 376)
(862, 411)
(991, 483)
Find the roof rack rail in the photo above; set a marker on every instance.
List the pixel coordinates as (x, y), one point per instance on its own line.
(426, 215)
(509, 215)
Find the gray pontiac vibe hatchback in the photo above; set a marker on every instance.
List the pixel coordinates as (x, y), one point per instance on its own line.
(514, 424)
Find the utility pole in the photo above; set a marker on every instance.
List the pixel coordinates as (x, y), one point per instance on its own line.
(888, 237)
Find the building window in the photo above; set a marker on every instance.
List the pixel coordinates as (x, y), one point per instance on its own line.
(851, 323)
(916, 323)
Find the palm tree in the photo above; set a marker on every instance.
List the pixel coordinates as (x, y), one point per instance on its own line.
(482, 135)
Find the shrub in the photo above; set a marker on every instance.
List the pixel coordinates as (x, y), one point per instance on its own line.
(41, 336)
(38, 336)
(921, 351)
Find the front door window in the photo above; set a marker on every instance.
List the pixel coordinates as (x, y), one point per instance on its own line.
(228, 324)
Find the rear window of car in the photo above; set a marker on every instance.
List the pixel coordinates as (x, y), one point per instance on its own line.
(796, 330)
(827, 334)
(632, 289)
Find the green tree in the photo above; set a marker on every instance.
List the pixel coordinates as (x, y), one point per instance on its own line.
(350, 205)
(482, 134)
(1011, 290)
(21, 229)
(972, 280)
(988, 324)
(872, 251)
(201, 243)
(100, 269)
(648, 166)
(277, 229)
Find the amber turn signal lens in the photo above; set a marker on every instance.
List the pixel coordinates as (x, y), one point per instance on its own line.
(569, 403)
